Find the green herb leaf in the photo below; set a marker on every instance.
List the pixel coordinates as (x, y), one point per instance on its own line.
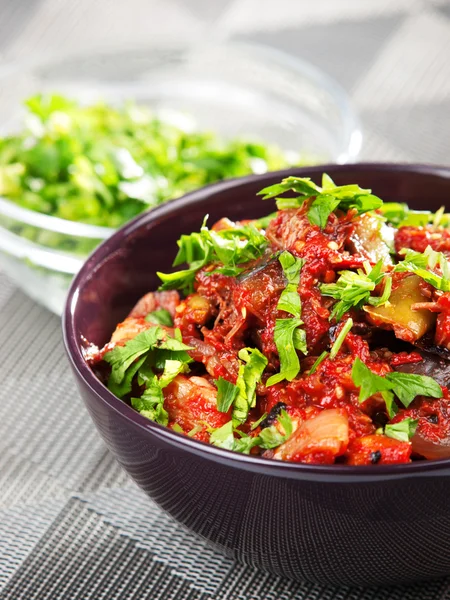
(223, 437)
(368, 382)
(270, 437)
(161, 316)
(172, 368)
(284, 341)
(321, 208)
(228, 247)
(340, 338)
(391, 406)
(301, 185)
(177, 428)
(354, 289)
(103, 165)
(319, 360)
(121, 357)
(420, 263)
(151, 403)
(406, 386)
(226, 394)
(327, 198)
(288, 336)
(403, 430)
(250, 373)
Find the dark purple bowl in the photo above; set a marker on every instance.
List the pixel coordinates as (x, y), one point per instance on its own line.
(337, 525)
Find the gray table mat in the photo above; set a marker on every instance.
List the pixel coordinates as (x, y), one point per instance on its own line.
(72, 524)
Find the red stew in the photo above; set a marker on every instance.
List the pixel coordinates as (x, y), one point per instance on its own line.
(321, 336)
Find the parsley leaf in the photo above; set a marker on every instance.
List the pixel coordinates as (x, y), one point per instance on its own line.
(226, 394)
(301, 185)
(151, 403)
(321, 208)
(319, 360)
(129, 359)
(122, 357)
(288, 335)
(334, 348)
(409, 385)
(369, 382)
(251, 369)
(340, 338)
(223, 437)
(420, 263)
(284, 341)
(406, 386)
(230, 247)
(403, 430)
(327, 198)
(161, 316)
(269, 437)
(353, 289)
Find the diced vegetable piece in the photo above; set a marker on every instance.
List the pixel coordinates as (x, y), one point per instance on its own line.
(378, 449)
(430, 448)
(327, 432)
(398, 314)
(370, 236)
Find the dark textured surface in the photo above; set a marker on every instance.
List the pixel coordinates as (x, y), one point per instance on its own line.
(333, 525)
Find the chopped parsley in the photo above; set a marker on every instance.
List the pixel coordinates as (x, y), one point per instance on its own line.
(334, 348)
(399, 215)
(161, 316)
(230, 247)
(327, 198)
(403, 430)
(288, 334)
(151, 350)
(251, 369)
(103, 165)
(406, 386)
(226, 394)
(420, 264)
(353, 290)
(269, 437)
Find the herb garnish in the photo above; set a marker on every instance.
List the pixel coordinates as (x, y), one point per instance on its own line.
(226, 394)
(269, 437)
(406, 386)
(334, 348)
(230, 247)
(104, 164)
(403, 430)
(352, 290)
(420, 263)
(288, 334)
(161, 316)
(152, 349)
(327, 198)
(251, 369)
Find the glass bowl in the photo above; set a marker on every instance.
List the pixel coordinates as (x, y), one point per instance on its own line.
(235, 89)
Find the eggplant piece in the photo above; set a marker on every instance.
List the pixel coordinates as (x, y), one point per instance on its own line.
(432, 365)
(273, 415)
(397, 314)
